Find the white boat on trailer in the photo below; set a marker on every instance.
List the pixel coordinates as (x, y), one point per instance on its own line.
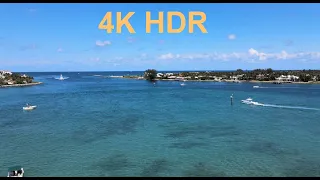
(16, 171)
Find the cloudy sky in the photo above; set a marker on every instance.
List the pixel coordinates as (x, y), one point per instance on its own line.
(65, 37)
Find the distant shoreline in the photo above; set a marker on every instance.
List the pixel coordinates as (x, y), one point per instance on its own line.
(228, 81)
(20, 85)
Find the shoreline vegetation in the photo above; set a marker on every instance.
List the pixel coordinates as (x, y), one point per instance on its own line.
(9, 79)
(238, 76)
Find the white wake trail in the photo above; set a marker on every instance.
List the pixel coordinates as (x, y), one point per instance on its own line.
(290, 107)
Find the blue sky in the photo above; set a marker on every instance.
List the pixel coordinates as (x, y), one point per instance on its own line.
(65, 37)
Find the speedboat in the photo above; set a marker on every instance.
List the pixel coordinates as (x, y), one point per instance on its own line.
(247, 101)
(16, 171)
(61, 77)
(255, 86)
(251, 102)
(28, 108)
(182, 84)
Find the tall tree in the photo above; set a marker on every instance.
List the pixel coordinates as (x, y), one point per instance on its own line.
(150, 74)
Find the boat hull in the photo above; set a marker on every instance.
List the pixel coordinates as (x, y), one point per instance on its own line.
(29, 108)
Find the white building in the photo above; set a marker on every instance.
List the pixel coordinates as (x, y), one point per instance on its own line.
(235, 78)
(2, 72)
(172, 77)
(288, 78)
(159, 75)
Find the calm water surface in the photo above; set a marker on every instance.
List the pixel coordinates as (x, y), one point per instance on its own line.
(93, 126)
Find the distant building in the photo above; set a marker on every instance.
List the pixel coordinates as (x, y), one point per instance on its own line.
(172, 77)
(159, 75)
(260, 77)
(315, 78)
(235, 78)
(3, 72)
(287, 78)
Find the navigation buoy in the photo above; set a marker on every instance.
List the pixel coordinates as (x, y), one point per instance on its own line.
(231, 99)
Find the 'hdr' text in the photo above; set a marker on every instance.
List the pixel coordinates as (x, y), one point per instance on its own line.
(106, 22)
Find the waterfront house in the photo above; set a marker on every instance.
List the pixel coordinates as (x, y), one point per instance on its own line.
(288, 78)
(234, 78)
(172, 77)
(159, 75)
(314, 78)
(260, 77)
(3, 72)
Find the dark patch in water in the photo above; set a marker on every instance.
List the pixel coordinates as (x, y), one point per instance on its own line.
(200, 169)
(155, 168)
(187, 145)
(303, 168)
(271, 148)
(196, 130)
(101, 129)
(110, 165)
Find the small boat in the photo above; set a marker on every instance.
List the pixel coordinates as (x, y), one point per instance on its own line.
(247, 101)
(251, 102)
(16, 171)
(182, 84)
(255, 86)
(28, 108)
(61, 77)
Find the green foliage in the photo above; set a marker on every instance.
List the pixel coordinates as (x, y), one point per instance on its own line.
(305, 78)
(150, 74)
(16, 79)
(257, 74)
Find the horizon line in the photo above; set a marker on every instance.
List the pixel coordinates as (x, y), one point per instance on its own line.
(162, 70)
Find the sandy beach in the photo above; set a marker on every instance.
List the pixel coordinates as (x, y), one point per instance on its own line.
(21, 85)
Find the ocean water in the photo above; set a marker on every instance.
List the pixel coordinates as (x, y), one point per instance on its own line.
(94, 126)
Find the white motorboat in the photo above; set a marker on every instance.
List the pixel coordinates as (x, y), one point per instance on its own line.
(247, 101)
(182, 84)
(255, 86)
(28, 108)
(15, 172)
(251, 102)
(61, 77)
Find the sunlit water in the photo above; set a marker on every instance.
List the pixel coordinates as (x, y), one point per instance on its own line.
(94, 126)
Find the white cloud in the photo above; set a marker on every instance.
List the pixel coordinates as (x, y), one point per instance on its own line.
(260, 55)
(231, 36)
(252, 55)
(168, 56)
(102, 43)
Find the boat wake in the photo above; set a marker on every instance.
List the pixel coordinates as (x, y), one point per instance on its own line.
(290, 107)
(250, 102)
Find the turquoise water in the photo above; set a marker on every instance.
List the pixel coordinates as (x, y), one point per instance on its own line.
(94, 126)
